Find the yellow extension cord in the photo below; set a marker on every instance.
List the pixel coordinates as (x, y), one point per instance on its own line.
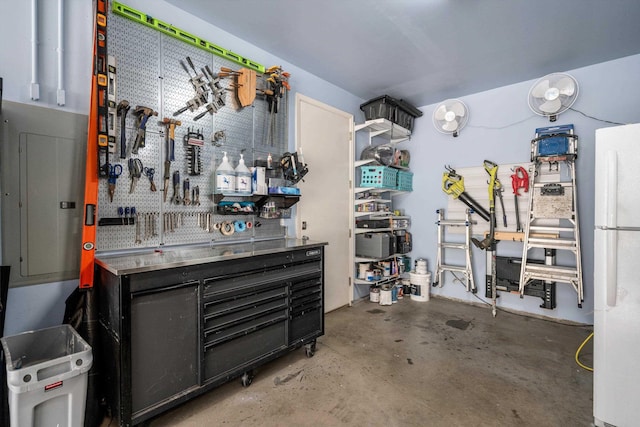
(583, 366)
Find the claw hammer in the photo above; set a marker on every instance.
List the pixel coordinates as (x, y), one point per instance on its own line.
(122, 110)
(169, 138)
(143, 114)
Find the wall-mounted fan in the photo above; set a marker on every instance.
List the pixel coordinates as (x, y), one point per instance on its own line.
(450, 116)
(553, 94)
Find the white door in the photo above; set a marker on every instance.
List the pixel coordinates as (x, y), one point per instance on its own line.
(324, 136)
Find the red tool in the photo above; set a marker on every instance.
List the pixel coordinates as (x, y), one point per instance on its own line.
(520, 179)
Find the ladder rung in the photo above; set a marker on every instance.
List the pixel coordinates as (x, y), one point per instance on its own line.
(454, 222)
(561, 183)
(551, 273)
(550, 229)
(453, 245)
(566, 244)
(457, 268)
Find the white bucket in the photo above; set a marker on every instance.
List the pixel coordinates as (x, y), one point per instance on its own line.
(421, 266)
(420, 284)
(385, 296)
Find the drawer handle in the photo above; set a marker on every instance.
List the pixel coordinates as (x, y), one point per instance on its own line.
(244, 332)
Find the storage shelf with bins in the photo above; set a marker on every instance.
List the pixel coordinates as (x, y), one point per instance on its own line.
(375, 202)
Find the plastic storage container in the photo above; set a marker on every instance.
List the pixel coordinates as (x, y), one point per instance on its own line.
(404, 181)
(378, 177)
(395, 110)
(47, 377)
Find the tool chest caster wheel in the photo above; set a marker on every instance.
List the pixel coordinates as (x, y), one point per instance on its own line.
(310, 349)
(247, 379)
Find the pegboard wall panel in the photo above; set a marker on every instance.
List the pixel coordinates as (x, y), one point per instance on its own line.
(150, 73)
(476, 186)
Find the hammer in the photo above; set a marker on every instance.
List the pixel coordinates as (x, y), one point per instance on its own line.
(143, 114)
(123, 109)
(169, 137)
(170, 124)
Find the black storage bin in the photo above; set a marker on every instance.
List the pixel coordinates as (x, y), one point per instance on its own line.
(373, 223)
(403, 242)
(395, 110)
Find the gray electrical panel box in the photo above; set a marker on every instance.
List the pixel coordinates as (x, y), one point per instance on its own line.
(43, 154)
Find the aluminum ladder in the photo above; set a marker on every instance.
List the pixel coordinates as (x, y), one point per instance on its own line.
(553, 216)
(465, 271)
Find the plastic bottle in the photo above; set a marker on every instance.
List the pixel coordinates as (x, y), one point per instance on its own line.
(225, 176)
(269, 161)
(243, 177)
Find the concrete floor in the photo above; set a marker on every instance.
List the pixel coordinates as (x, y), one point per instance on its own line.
(435, 363)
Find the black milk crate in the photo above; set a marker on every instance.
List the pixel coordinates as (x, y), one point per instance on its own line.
(394, 110)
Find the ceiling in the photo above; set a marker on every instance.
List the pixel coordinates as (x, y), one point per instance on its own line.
(426, 51)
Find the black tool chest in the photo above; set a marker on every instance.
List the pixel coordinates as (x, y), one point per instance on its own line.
(171, 334)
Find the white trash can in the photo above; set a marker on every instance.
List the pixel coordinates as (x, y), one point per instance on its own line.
(47, 377)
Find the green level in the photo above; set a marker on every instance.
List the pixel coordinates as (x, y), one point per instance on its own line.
(163, 27)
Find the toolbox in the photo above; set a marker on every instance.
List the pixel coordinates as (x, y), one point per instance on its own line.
(395, 110)
(554, 141)
(373, 223)
(375, 245)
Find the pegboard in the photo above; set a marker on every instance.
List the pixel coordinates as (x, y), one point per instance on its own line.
(149, 74)
(476, 186)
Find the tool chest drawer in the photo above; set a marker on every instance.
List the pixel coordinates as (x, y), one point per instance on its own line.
(222, 325)
(241, 345)
(306, 308)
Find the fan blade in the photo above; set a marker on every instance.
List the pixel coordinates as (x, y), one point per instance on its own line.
(440, 112)
(551, 106)
(566, 86)
(450, 126)
(458, 108)
(539, 90)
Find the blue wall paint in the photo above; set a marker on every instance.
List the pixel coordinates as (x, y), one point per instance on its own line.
(608, 90)
(500, 128)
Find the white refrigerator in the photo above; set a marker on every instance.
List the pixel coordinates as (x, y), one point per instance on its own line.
(616, 345)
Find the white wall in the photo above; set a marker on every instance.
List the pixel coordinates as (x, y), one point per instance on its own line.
(33, 307)
(500, 129)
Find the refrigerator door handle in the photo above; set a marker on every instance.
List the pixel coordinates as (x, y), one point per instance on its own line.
(611, 190)
(611, 267)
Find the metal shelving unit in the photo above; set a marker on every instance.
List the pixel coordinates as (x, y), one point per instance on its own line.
(390, 133)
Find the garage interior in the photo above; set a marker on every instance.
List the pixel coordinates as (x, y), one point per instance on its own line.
(456, 100)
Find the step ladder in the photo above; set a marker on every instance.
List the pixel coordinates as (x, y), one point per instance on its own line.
(553, 217)
(461, 273)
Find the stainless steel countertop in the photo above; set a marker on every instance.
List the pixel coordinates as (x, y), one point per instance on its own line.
(123, 264)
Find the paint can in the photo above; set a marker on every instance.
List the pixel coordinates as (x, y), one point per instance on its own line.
(374, 294)
(369, 276)
(385, 295)
(421, 266)
(420, 284)
(386, 268)
(362, 270)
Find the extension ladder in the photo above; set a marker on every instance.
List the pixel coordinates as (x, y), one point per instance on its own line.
(553, 216)
(465, 270)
